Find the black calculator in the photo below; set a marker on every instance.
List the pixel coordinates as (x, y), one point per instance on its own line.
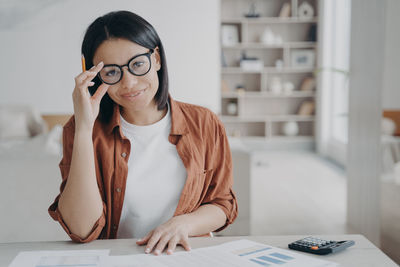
(320, 246)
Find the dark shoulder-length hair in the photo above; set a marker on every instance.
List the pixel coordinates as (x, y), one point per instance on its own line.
(132, 27)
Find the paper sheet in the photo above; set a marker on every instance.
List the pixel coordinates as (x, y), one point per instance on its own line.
(59, 258)
(239, 253)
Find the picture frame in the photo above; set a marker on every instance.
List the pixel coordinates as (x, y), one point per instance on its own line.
(229, 35)
(303, 58)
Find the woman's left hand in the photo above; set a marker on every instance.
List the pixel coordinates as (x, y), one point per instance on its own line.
(173, 232)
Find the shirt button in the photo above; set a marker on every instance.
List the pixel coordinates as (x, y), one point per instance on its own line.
(114, 226)
(123, 154)
(118, 190)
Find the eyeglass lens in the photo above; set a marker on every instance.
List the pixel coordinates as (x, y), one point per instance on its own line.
(138, 66)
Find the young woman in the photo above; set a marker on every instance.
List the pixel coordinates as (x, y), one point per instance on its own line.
(136, 163)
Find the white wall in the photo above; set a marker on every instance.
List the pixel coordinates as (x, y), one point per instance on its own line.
(391, 81)
(365, 112)
(40, 48)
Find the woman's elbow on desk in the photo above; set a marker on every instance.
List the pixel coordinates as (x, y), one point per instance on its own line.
(80, 225)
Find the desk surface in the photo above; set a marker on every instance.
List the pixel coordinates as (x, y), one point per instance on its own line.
(363, 253)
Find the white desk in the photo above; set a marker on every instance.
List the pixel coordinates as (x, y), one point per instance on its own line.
(363, 253)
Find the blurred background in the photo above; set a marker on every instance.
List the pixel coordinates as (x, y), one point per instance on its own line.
(308, 91)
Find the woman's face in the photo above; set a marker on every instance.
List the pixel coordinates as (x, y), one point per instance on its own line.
(133, 93)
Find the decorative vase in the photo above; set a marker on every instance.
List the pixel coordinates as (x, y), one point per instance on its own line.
(290, 128)
(306, 11)
(276, 85)
(268, 37)
(288, 87)
(231, 108)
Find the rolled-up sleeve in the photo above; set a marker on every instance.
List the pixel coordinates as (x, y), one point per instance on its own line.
(65, 164)
(95, 232)
(219, 192)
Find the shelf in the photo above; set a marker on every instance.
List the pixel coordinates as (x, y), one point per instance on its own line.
(298, 94)
(237, 70)
(268, 20)
(266, 70)
(264, 46)
(232, 21)
(291, 138)
(261, 116)
(250, 143)
(272, 138)
(266, 118)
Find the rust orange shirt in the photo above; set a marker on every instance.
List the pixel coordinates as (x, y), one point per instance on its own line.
(201, 143)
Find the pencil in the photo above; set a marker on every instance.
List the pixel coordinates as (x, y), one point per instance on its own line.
(83, 63)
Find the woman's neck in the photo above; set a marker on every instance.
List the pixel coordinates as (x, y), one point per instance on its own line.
(143, 117)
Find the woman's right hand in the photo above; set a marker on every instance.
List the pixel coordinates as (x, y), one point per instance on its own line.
(86, 107)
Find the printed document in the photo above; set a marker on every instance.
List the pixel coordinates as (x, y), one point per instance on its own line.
(239, 253)
(59, 258)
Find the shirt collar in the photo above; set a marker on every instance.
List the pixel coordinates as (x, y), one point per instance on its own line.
(178, 122)
(115, 121)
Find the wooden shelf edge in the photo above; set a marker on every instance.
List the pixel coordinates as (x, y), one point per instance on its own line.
(296, 94)
(272, 20)
(292, 45)
(285, 139)
(266, 119)
(266, 70)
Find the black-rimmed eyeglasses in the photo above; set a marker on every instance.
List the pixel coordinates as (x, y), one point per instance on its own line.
(139, 65)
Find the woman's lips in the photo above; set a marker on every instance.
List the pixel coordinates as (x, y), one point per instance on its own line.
(133, 95)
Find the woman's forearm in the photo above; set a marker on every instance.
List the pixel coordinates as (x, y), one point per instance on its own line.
(207, 218)
(80, 203)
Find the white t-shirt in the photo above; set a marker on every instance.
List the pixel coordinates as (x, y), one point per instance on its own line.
(156, 176)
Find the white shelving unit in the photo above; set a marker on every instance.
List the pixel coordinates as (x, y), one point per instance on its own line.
(261, 113)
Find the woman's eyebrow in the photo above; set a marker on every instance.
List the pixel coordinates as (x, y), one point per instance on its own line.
(141, 53)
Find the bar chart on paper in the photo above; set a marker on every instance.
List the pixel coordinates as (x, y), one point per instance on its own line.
(267, 259)
(264, 255)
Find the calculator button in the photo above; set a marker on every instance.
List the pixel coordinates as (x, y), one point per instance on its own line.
(314, 248)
